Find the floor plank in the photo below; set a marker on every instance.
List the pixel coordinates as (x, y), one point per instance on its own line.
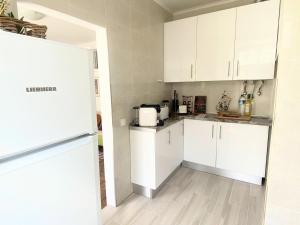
(102, 177)
(193, 198)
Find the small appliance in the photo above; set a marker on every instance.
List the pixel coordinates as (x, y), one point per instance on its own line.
(164, 112)
(183, 109)
(148, 115)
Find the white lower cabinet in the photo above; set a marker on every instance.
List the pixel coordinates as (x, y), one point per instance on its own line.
(242, 148)
(155, 155)
(200, 142)
(233, 147)
(239, 149)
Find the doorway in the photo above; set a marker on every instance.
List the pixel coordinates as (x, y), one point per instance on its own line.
(74, 31)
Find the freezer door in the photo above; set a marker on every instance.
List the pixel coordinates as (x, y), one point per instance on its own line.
(57, 186)
(46, 93)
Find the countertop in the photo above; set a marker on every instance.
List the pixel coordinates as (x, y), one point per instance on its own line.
(256, 120)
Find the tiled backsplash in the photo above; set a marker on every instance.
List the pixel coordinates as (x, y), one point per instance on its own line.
(213, 90)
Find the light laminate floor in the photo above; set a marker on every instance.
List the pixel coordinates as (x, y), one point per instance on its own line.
(193, 198)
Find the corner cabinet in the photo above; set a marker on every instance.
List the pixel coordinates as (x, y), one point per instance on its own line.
(180, 50)
(233, 44)
(155, 154)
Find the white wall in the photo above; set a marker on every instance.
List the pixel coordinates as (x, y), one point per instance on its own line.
(283, 186)
(214, 90)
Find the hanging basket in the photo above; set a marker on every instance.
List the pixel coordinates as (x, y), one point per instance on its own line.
(22, 27)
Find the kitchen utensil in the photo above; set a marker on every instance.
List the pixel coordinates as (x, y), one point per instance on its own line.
(224, 103)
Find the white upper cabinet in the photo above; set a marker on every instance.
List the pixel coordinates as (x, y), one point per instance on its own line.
(215, 45)
(256, 41)
(233, 44)
(180, 50)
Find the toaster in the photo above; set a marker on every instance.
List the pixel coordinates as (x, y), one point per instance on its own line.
(148, 117)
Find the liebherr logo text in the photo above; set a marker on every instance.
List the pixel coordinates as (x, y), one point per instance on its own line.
(41, 89)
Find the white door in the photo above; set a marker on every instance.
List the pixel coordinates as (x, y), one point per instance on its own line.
(180, 50)
(256, 40)
(164, 156)
(59, 185)
(177, 131)
(215, 45)
(242, 148)
(47, 93)
(200, 142)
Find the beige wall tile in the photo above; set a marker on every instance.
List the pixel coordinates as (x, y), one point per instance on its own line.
(213, 90)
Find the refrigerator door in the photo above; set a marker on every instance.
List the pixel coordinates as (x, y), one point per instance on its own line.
(47, 93)
(56, 186)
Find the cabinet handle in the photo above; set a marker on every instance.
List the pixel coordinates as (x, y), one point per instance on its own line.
(192, 71)
(182, 129)
(220, 133)
(237, 68)
(229, 67)
(212, 131)
(169, 137)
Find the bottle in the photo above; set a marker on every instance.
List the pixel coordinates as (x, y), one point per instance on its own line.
(242, 104)
(175, 102)
(248, 105)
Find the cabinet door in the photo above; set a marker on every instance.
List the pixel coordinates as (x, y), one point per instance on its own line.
(180, 50)
(142, 148)
(256, 40)
(176, 142)
(200, 142)
(163, 157)
(215, 45)
(242, 148)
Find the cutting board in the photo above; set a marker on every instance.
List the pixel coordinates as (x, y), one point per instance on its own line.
(233, 116)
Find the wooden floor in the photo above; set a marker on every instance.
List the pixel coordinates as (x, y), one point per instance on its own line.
(102, 178)
(193, 198)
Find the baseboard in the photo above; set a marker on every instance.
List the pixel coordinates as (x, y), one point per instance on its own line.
(224, 173)
(148, 192)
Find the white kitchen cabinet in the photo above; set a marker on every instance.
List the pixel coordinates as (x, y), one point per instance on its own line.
(233, 44)
(256, 41)
(215, 45)
(242, 148)
(180, 50)
(234, 150)
(200, 142)
(177, 142)
(155, 155)
(169, 152)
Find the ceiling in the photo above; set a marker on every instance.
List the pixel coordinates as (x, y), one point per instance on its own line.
(178, 6)
(59, 30)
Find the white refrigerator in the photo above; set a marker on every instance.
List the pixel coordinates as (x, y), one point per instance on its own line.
(49, 173)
